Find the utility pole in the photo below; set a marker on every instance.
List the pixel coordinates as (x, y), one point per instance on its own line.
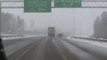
(2, 53)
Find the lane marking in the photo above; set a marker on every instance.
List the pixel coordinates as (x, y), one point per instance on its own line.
(59, 49)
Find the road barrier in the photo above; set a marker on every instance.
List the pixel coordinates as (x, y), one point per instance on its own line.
(90, 38)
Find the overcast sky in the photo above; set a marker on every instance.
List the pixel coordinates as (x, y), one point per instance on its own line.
(78, 20)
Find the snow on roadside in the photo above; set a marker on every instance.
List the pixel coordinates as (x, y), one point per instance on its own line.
(97, 43)
(20, 36)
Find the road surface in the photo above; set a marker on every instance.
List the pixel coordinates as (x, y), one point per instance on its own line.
(46, 48)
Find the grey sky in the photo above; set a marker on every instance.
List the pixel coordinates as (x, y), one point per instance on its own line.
(80, 20)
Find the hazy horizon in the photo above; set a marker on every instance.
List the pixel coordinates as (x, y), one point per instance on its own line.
(78, 20)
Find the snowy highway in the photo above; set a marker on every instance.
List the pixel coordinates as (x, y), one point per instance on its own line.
(46, 48)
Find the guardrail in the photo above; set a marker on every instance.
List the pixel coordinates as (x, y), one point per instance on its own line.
(11, 35)
(89, 38)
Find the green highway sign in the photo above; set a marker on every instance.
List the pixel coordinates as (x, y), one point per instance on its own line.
(37, 5)
(67, 3)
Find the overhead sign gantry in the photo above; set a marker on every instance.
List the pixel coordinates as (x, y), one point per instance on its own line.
(59, 3)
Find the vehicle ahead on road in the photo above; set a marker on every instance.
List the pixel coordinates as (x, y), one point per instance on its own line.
(51, 31)
(60, 35)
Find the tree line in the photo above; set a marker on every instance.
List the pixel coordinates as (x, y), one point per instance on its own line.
(100, 26)
(11, 24)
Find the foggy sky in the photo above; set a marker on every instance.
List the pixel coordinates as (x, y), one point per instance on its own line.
(76, 20)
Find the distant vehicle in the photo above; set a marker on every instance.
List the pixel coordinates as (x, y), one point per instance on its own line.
(51, 31)
(60, 35)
